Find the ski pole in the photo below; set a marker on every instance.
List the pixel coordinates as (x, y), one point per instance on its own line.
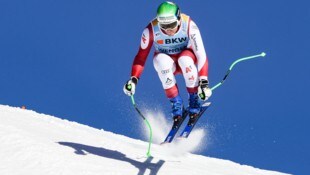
(148, 154)
(263, 54)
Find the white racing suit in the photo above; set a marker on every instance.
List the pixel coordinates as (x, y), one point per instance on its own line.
(181, 53)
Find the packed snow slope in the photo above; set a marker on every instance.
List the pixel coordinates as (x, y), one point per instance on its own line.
(36, 144)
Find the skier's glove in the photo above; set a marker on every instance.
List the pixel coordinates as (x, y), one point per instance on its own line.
(204, 92)
(130, 86)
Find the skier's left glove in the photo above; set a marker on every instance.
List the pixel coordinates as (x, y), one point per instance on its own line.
(204, 92)
(130, 86)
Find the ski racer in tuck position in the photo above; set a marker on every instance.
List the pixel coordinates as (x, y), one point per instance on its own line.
(178, 50)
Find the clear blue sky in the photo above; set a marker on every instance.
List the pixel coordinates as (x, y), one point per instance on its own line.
(71, 58)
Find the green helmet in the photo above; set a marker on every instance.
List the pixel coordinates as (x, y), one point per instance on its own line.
(168, 12)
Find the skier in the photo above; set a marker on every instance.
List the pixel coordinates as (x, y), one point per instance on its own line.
(178, 50)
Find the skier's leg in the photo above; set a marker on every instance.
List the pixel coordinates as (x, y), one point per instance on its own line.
(187, 63)
(165, 67)
(189, 70)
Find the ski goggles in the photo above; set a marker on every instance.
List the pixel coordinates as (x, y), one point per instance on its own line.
(172, 25)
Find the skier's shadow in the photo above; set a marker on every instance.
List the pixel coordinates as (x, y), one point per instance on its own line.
(142, 166)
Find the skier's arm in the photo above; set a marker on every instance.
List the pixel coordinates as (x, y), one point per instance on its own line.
(144, 50)
(199, 50)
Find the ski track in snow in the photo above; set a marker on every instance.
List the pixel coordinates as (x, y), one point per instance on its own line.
(37, 144)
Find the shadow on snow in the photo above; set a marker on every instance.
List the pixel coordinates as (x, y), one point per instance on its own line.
(142, 166)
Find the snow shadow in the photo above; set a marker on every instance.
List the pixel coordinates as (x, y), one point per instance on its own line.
(81, 149)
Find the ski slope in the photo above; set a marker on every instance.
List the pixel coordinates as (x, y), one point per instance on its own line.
(36, 144)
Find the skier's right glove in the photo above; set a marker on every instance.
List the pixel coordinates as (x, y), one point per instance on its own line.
(204, 92)
(130, 86)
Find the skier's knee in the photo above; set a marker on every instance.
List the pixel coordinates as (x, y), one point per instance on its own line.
(162, 62)
(185, 61)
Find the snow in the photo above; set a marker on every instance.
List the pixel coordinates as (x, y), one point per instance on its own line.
(36, 144)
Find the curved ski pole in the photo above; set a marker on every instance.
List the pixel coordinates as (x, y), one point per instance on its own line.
(148, 154)
(263, 54)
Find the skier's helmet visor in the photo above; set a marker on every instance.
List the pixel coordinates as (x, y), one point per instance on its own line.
(172, 25)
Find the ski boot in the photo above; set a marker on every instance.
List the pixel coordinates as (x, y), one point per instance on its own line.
(177, 111)
(194, 108)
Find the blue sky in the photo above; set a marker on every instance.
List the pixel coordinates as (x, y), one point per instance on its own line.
(71, 59)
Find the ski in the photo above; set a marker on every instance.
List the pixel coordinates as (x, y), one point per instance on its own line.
(175, 128)
(192, 121)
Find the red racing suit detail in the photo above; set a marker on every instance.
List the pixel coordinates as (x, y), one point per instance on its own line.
(141, 57)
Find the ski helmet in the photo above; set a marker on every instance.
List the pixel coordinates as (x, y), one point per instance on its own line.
(168, 13)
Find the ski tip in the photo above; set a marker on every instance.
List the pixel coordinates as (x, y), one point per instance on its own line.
(163, 143)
